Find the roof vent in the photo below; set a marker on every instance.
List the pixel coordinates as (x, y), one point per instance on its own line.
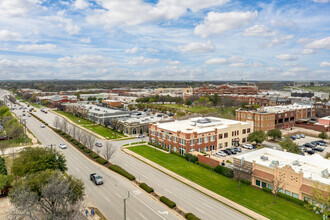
(325, 173)
(296, 162)
(264, 157)
(203, 121)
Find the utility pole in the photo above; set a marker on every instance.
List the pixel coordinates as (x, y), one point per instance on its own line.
(24, 122)
(51, 146)
(125, 199)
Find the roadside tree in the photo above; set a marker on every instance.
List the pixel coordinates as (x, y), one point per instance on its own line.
(290, 146)
(323, 135)
(109, 150)
(274, 133)
(257, 136)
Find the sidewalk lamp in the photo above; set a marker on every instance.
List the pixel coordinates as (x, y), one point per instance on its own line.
(125, 199)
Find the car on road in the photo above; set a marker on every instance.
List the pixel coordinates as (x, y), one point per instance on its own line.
(302, 135)
(97, 179)
(98, 144)
(227, 151)
(140, 136)
(248, 146)
(42, 125)
(62, 146)
(29, 115)
(23, 114)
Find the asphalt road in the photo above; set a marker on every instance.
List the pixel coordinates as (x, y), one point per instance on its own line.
(109, 196)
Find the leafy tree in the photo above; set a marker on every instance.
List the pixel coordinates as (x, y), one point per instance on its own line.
(180, 114)
(37, 159)
(323, 135)
(257, 136)
(3, 169)
(274, 133)
(15, 130)
(188, 102)
(290, 146)
(47, 195)
(321, 194)
(3, 110)
(5, 181)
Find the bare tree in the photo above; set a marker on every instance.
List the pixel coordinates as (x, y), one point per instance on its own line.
(109, 150)
(278, 183)
(79, 135)
(57, 122)
(64, 125)
(115, 124)
(90, 141)
(74, 132)
(69, 130)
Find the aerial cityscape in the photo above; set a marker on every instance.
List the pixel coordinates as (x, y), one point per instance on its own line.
(162, 109)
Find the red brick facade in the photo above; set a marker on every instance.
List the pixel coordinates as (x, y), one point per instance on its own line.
(226, 89)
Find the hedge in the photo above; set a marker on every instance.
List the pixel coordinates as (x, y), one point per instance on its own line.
(93, 155)
(224, 171)
(177, 154)
(267, 190)
(147, 188)
(247, 182)
(86, 150)
(291, 199)
(80, 146)
(155, 145)
(205, 165)
(122, 172)
(168, 202)
(75, 142)
(191, 216)
(101, 161)
(191, 158)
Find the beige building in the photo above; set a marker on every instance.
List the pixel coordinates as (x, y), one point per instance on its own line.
(298, 174)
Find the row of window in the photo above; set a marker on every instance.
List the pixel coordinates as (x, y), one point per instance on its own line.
(182, 150)
(270, 186)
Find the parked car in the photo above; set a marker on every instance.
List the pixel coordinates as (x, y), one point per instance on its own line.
(248, 146)
(297, 136)
(309, 145)
(320, 149)
(293, 137)
(98, 144)
(4, 137)
(302, 135)
(62, 146)
(140, 136)
(233, 151)
(42, 125)
(238, 149)
(97, 179)
(29, 115)
(310, 152)
(221, 153)
(23, 114)
(319, 142)
(227, 151)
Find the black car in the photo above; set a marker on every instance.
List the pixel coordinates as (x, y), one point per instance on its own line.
(310, 152)
(238, 149)
(227, 151)
(320, 149)
(233, 151)
(309, 145)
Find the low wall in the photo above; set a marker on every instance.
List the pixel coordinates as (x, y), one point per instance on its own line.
(208, 160)
(314, 127)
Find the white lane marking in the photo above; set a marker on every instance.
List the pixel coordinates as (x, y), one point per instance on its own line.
(118, 195)
(148, 207)
(142, 216)
(136, 192)
(163, 213)
(199, 210)
(107, 198)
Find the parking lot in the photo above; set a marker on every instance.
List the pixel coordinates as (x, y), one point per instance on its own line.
(230, 157)
(309, 139)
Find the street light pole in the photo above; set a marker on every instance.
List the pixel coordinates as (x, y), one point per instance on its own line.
(24, 120)
(125, 199)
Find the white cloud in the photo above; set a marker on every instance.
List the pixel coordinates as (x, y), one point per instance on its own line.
(174, 62)
(85, 61)
(132, 50)
(236, 59)
(152, 50)
(198, 47)
(143, 61)
(65, 23)
(320, 44)
(277, 23)
(259, 31)
(307, 51)
(325, 64)
(85, 40)
(80, 4)
(321, 1)
(6, 35)
(288, 73)
(303, 40)
(238, 65)
(216, 61)
(298, 69)
(16, 8)
(286, 57)
(135, 12)
(36, 47)
(273, 69)
(218, 23)
(279, 40)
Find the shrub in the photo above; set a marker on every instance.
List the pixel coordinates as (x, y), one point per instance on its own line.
(75, 142)
(191, 158)
(291, 199)
(101, 161)
(224, 171)
(267, 190)
(93, 155)
(86, 150)
(205, 165)
(147, 188)
(191, 216)
(168, 202)
(80, 146)
(177, 154)
(122, 172)
(247, 182)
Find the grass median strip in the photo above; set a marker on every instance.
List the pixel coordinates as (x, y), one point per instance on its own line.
(250, 197)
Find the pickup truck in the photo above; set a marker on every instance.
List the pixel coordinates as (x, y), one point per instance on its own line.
(97, 179)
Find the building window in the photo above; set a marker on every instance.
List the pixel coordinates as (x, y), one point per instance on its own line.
(220, 136)
(288, 192)
(220, 145)
(206, 149)
(258, 182)
(237, 132)
(263, 184)
(226, 144)
(212, 137)
(243, 140)
(134, 131)
(182, 150)
(212, 147)
(169, 137)
(306, 199)
(270, 186)
(280, 190)
(158, 134)
(248, 130)
(174, 139)
(295, 195)
(206, 139)
(232, 133)
(164, 136)
(174, 149)
(192, 142)
(225, 135)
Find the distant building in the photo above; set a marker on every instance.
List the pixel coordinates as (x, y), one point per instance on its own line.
(299, 174)
(199, 134)
(225, 89)
(100, 114)
(111, 103)
(325, 121)
(322, 109)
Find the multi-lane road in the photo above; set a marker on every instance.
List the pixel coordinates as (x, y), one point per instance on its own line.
(109, 197)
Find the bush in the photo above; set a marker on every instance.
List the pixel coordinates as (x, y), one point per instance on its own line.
(101, 161)
(205, 166)
(177, 154)
(191, 216)
(191, 158)
(224, 171)
(122, 172)
(75, 142)
(168, 202)
(93, 155)
(267, 190)
(247, 182)
(291, 199)
(80, 146)
(86, 150)
(147, 188)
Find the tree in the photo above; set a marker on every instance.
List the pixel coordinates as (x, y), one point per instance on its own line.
(115, 124)
(57, 122)
(15, 130)
(64, 125)
(274, 133)
(323, 135)
(188, 102)
(257, 136)
(79, 135)
(278, 183)
(3, 169)
(5, 182)
(3, 148)
(109, 150)
(321, 194)
(47, 195)
(37, 159)
(90, 141)
(290, 146)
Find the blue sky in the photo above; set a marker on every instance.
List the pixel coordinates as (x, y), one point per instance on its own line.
(165, 39)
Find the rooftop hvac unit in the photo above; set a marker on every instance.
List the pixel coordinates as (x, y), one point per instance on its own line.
(274, 163)
(264, 157)
(325, 173)
(296, 162)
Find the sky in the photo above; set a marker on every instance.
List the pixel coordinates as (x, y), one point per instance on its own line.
(165, 39)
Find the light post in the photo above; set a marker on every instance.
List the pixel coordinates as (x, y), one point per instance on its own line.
(51, 146)
(125, 199)
(24, 122)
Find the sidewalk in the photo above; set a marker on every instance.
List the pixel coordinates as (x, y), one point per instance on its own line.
(197, 187)
(5, 207)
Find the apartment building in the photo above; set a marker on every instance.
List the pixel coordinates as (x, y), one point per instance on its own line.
(280, 117)
(299, 175)
(199, 134)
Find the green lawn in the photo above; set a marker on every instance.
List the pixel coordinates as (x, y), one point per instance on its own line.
(317, 88)
(99, 129)
(17, 142)
(248, 196)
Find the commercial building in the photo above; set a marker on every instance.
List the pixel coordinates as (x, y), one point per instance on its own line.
(111, 103)
(101, 115)
(199, 134)
(295, 175)
(325, 121)
(280, 117)
(226, 89)
(56, 99)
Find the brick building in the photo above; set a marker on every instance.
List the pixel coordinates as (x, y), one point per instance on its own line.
(280, 117)
(199, 134)
(225, 89)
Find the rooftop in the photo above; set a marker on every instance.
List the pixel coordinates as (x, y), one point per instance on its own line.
(311, 166)
(199, 124)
